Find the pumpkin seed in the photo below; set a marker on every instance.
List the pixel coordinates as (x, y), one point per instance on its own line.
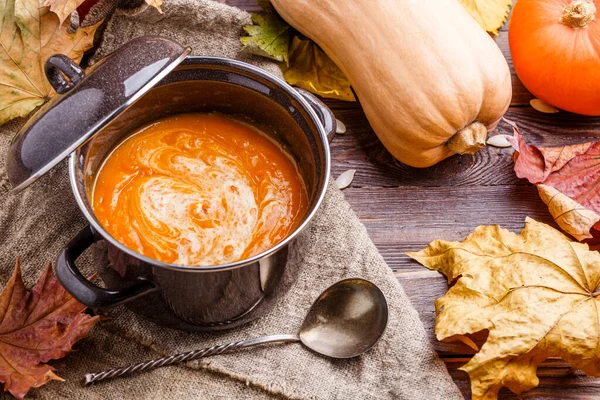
(542, 106)
(345, 179)
(340, 128)
(499, 141)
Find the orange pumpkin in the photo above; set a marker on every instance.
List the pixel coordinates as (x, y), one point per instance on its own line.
(555, 47)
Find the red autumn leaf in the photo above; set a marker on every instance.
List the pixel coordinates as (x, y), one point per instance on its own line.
(84, 9)
(36, 327)
(568, 180)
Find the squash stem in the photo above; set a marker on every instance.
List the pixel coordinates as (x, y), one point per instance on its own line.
(468, 140)
(578, 14)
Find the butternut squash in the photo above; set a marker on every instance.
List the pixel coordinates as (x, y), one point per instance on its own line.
(431, 82)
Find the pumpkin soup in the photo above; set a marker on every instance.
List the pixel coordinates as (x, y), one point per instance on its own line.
(199, 189)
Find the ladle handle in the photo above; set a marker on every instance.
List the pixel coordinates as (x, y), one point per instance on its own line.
(188, 356)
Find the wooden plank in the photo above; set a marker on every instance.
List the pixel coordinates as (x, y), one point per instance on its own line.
(360, 149)
(408, 218)
(552, 129)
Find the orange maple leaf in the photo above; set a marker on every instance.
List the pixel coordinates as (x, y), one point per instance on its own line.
(36, 327)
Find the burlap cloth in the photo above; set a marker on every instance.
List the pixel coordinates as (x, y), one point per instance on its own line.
(36, 224)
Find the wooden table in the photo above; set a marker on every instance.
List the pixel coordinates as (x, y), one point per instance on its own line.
(405, 208)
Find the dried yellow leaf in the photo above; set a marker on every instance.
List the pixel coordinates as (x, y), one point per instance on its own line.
(62, 8)
(490, 14)
(29, 34)
(311, 69)
(537, 293)
(571, 216)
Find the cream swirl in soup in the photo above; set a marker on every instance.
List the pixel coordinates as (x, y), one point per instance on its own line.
(199, 189)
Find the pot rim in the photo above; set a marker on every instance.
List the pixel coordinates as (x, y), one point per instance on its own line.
(240, 65)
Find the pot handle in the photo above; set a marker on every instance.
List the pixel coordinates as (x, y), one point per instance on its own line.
(85, 291)
(323, 112)
(59, 66)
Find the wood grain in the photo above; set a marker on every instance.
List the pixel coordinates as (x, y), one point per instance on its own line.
(360, 149)
(408, 218)
(552, 129)
(405, 208)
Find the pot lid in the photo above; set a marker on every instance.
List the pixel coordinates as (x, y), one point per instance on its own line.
(85, 102)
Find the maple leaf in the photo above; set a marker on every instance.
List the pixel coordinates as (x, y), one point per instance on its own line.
(568, 181)
(536, 293)
(36, 327)
(311, 69)
(156, 4)
(489, 14)
(29, 34)
(269, 36)
(62, 8)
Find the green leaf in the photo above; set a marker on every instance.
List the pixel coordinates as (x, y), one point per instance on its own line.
(269, 36)
(311, 69)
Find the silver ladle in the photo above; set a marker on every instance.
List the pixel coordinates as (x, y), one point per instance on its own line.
(346, 320)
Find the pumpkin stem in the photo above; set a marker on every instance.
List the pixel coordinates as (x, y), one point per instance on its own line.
(468, 140)
(578, 14)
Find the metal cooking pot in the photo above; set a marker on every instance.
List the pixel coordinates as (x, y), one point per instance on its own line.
(147, 79)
